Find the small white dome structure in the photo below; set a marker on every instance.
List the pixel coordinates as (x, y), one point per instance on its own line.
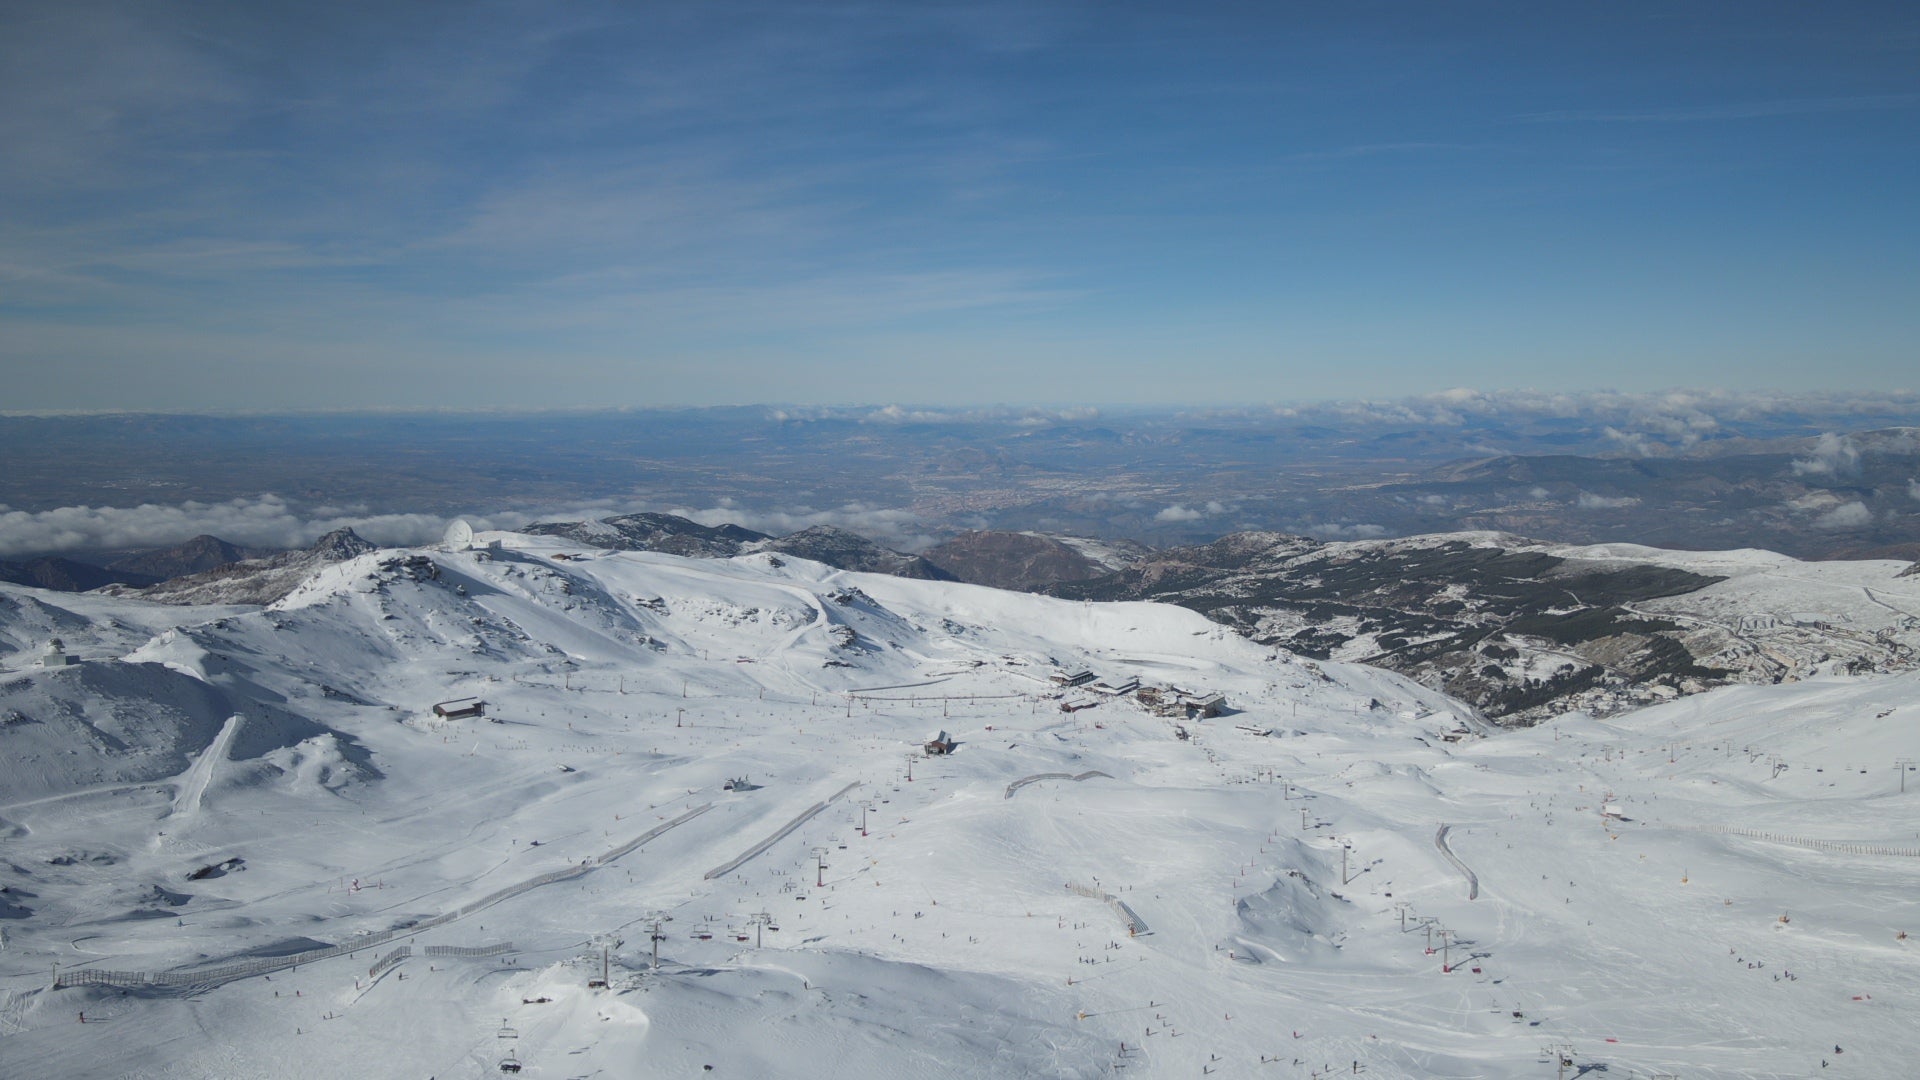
(459, 536)
(56, 655)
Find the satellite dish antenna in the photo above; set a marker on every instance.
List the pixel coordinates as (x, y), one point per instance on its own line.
(459, 535)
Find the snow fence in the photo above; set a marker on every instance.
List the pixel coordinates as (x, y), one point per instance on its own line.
(805, 816)
(1136, 926)
(1837, 847)
(1036, 777)
(385, 963)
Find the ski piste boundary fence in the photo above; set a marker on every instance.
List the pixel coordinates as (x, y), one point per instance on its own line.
(387, 962)
(1037, 777)
(1136, 926)
(786, 830)
(1473, 879)
(499, 948)
(1836, 847)
(266, 965)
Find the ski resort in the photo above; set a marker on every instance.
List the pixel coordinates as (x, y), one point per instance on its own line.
(234, 846)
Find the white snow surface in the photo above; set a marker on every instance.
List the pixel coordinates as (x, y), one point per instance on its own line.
(1738, 913)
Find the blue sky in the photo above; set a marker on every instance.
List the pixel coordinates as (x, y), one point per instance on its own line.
(259, 206)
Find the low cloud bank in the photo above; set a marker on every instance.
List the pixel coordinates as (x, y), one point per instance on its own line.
(266, 521)
(1851, 515)
(271, 521)
(1179, 512)
(1340, 531)
(1832, 455)
(1587, 500)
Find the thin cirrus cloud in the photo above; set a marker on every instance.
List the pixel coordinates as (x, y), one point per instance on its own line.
(723, 202)
(1750, 110)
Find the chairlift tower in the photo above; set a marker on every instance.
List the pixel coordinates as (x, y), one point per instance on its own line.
(654, 936)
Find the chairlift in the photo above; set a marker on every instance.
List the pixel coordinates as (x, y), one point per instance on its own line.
(510, 1064)
(507, 1031)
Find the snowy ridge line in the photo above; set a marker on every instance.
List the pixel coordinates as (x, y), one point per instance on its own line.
(1837, 847)
(226, 973)
(498, 948)
(805, 816)
(1025, 780)
(1473, 879)
(387, 962)
(1136, 926)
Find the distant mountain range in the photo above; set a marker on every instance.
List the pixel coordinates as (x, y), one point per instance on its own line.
(249, 581)
(1031, 562)
(679, 536)
(1521, 629)
(68, 575)
(139, 569)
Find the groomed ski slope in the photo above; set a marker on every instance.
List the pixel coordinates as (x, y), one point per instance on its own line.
(964, 934)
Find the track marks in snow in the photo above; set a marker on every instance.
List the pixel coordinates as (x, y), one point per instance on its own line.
(193, 782)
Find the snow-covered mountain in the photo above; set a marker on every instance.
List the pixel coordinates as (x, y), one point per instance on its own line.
(260, 580)
(243, 841)
(1526, 630)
